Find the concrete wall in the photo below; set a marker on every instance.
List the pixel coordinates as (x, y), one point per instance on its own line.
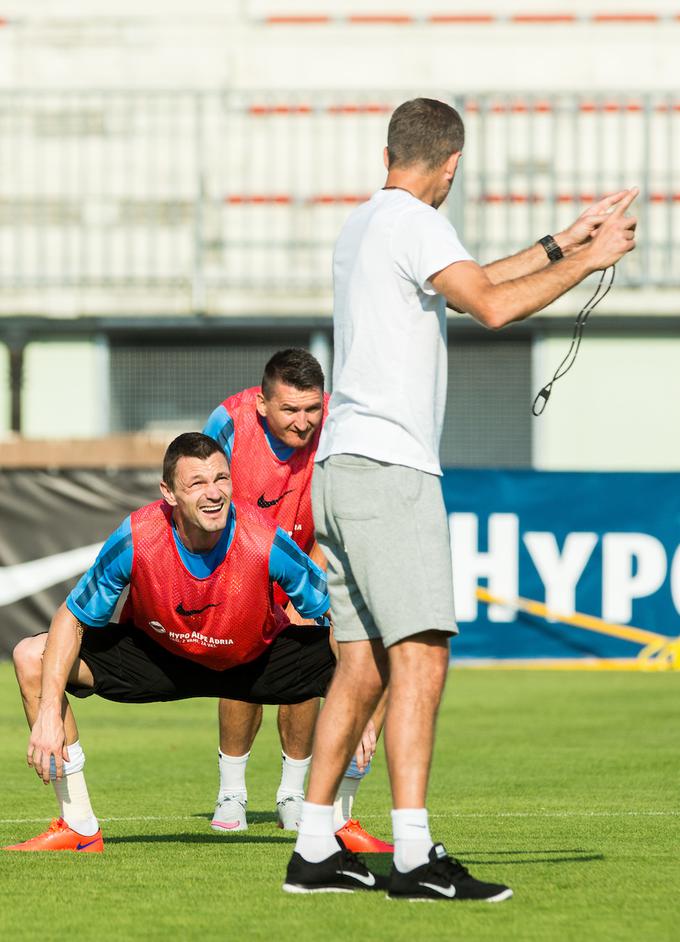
(65, 389)
(617, 409)
(4, 391)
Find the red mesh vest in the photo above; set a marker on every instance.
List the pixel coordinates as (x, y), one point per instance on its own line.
(283, 489)
(228, 618)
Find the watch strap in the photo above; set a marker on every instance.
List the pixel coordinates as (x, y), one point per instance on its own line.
(552, 249)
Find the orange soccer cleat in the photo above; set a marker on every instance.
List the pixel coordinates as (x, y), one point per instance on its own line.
(59, 836)
(359, 841)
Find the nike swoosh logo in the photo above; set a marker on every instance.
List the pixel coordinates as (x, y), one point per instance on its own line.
(449, 891)
(195, 611)
(367, 880)
(24, 579)
(83, 846)
(264, 503)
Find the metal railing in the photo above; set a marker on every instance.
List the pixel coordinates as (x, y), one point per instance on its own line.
(212, 196)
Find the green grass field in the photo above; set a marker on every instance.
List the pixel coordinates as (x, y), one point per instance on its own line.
(565, 785)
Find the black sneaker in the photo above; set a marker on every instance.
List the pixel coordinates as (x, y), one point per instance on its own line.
(340, 873)
(443, 877)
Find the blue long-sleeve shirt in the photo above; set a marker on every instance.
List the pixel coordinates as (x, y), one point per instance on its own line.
(96, 595)
(220, 426)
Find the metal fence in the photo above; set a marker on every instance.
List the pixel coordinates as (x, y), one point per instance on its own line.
(158, 385)
(215, 195)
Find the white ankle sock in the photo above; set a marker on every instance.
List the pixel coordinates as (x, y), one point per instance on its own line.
(293, 772)
(233, 775)
(72, 794)
(412, 841)
(342, 808)
(316, 833)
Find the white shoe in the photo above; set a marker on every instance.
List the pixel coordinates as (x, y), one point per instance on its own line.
(230, 814)
(289, 811)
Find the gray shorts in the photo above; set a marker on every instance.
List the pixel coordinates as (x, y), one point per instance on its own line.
(384, 531)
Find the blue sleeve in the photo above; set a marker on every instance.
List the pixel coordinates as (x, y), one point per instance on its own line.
(301, 579)
(94, 599)
(220, 426)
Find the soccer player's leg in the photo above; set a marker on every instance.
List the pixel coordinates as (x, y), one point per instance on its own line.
(296, 723)
(348, 828)
(320, 863)
(239, 723)
(416, 635)
(76, 828)
(421, 869)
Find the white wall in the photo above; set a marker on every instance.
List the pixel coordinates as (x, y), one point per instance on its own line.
(617, 409)
(172, 44)
(65, 389)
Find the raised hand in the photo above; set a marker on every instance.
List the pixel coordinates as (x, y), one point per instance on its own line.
(586, 225)
(615, 235)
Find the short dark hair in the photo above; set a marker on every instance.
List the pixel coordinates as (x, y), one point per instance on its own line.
(294, 367)
(424, 131)
(187, 445)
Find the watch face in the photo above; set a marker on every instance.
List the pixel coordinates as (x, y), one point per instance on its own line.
(553, 251)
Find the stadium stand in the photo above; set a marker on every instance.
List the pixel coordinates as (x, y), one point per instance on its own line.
(191, 208)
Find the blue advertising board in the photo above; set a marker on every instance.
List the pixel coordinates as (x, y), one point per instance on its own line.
(603, 544)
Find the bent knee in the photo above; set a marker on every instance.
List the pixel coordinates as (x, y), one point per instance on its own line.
(27, 656)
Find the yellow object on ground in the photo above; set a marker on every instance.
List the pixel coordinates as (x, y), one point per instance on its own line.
(659, 652)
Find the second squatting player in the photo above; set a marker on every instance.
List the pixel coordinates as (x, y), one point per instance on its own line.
(269, 435)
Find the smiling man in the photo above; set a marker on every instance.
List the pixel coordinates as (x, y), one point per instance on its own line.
(199, 621)
(269, 434)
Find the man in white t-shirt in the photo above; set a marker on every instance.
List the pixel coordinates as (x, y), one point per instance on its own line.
(378, 509)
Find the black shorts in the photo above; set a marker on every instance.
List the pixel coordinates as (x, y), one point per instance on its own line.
(129, 667)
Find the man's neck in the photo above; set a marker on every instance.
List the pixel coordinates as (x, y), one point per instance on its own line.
(280, 449)
(194, 539)
(422, 187)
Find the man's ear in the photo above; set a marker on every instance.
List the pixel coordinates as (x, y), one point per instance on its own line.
(386, 159)
(261, 405)
(167, 494)
(451, 165)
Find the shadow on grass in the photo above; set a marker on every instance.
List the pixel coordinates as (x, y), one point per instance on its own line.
(575, 855)
(254, 817)
(240, 838)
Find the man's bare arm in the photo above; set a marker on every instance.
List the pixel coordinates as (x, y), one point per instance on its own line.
(467, 287)
(570, 240)
(61, 652)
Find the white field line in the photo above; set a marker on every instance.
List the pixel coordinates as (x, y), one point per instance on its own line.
(370, 817)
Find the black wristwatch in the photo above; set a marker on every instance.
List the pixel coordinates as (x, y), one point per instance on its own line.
(552, 249)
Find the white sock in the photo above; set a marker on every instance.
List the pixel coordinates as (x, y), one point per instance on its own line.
(412, 841)
(342, 808)
(293, 772)
(72, 794)
(316, 834)
(232, 775)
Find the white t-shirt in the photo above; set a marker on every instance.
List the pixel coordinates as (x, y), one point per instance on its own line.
(390, 371)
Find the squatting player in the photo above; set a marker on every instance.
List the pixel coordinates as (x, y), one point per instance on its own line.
(199, 621)
(270, 435)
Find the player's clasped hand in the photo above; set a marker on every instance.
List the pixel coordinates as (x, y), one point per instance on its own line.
(366, 748)
(615, 235)
(47, 740)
